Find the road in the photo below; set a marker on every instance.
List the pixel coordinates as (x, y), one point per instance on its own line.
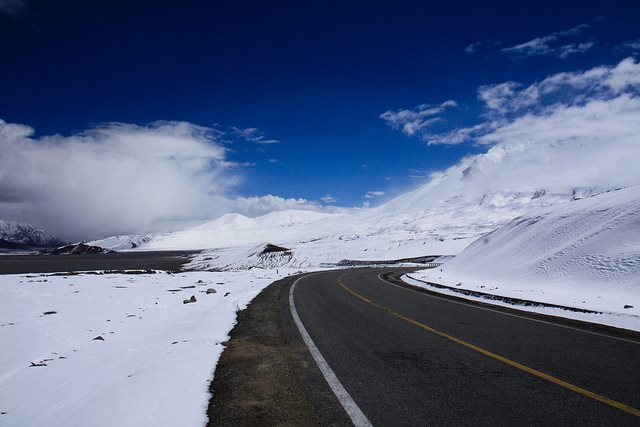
(409, 358)
(151, 260)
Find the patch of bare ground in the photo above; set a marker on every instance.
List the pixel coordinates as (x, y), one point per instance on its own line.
(260, 377)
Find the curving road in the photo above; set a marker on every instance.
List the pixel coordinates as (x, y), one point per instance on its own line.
(410, 358)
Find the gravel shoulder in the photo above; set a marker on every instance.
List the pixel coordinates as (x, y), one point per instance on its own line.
(265, 375)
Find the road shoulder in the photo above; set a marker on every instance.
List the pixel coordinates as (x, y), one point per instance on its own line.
(265, 375)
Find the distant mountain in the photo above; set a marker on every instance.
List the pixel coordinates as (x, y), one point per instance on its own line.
(19, 235)
(117, 243)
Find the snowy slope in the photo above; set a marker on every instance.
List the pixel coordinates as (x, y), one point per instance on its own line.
(26, 234)
(583, 254)
(118, 243)
(233, 230)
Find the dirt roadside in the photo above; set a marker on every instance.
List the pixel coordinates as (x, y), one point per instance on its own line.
(265, 375)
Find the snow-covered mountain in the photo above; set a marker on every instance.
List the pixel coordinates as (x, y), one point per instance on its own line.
(441, 217)
(118, 243)
(21, 235)
(452, 209)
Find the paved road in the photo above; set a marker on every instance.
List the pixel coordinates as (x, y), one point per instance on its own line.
(154, 260)
(408, 358)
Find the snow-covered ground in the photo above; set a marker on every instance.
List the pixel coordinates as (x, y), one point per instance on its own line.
(153, 366)
(583, 254)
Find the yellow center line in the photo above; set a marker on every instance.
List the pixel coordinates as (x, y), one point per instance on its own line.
(539, 374)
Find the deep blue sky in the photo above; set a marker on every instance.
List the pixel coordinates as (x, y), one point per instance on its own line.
(314, 75)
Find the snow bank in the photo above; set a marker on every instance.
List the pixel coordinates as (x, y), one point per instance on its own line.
(584, 254)
(153, 366)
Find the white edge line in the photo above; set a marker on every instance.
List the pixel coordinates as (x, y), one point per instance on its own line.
(358, 418)
(546, 322)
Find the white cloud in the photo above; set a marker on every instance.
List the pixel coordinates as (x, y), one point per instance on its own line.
(569, 87)
(593, 114)
(484, 45)
(328, 198)
(253, 135)
(551, 44)
(13, 7)
(274, 161)
(568, 49)
(372, 194)
(121, 178)
(419, 120)
(473, 47)
(259, 205)
(633, 45)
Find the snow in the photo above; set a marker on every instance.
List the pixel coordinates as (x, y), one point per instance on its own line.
(583, 254)
(121, 243)
(26, 234)
(154, 365)
(233, 230)
(441, 217)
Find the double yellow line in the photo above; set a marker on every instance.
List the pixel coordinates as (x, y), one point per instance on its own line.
(539, 374)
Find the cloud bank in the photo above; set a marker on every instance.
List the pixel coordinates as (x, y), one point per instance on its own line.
(120, 178)
(115, 178)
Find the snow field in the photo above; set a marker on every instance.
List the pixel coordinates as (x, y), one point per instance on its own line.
(153, 366)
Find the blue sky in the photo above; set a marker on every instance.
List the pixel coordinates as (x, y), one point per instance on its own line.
(313, 76)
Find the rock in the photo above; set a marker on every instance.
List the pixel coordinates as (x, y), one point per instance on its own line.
(98, 338)
(628, 306)
(211, 291)
(49, 312)
(190, 300)
(199, 281)
(33, 364)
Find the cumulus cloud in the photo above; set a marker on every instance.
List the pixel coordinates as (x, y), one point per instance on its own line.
(115, 178)
(552, 44)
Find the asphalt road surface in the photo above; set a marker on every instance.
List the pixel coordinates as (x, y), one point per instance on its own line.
(409, 358)
(153, 260)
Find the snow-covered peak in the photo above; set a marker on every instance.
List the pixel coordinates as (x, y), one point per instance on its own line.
(118, 243)
(26, 234)
(234, 230)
